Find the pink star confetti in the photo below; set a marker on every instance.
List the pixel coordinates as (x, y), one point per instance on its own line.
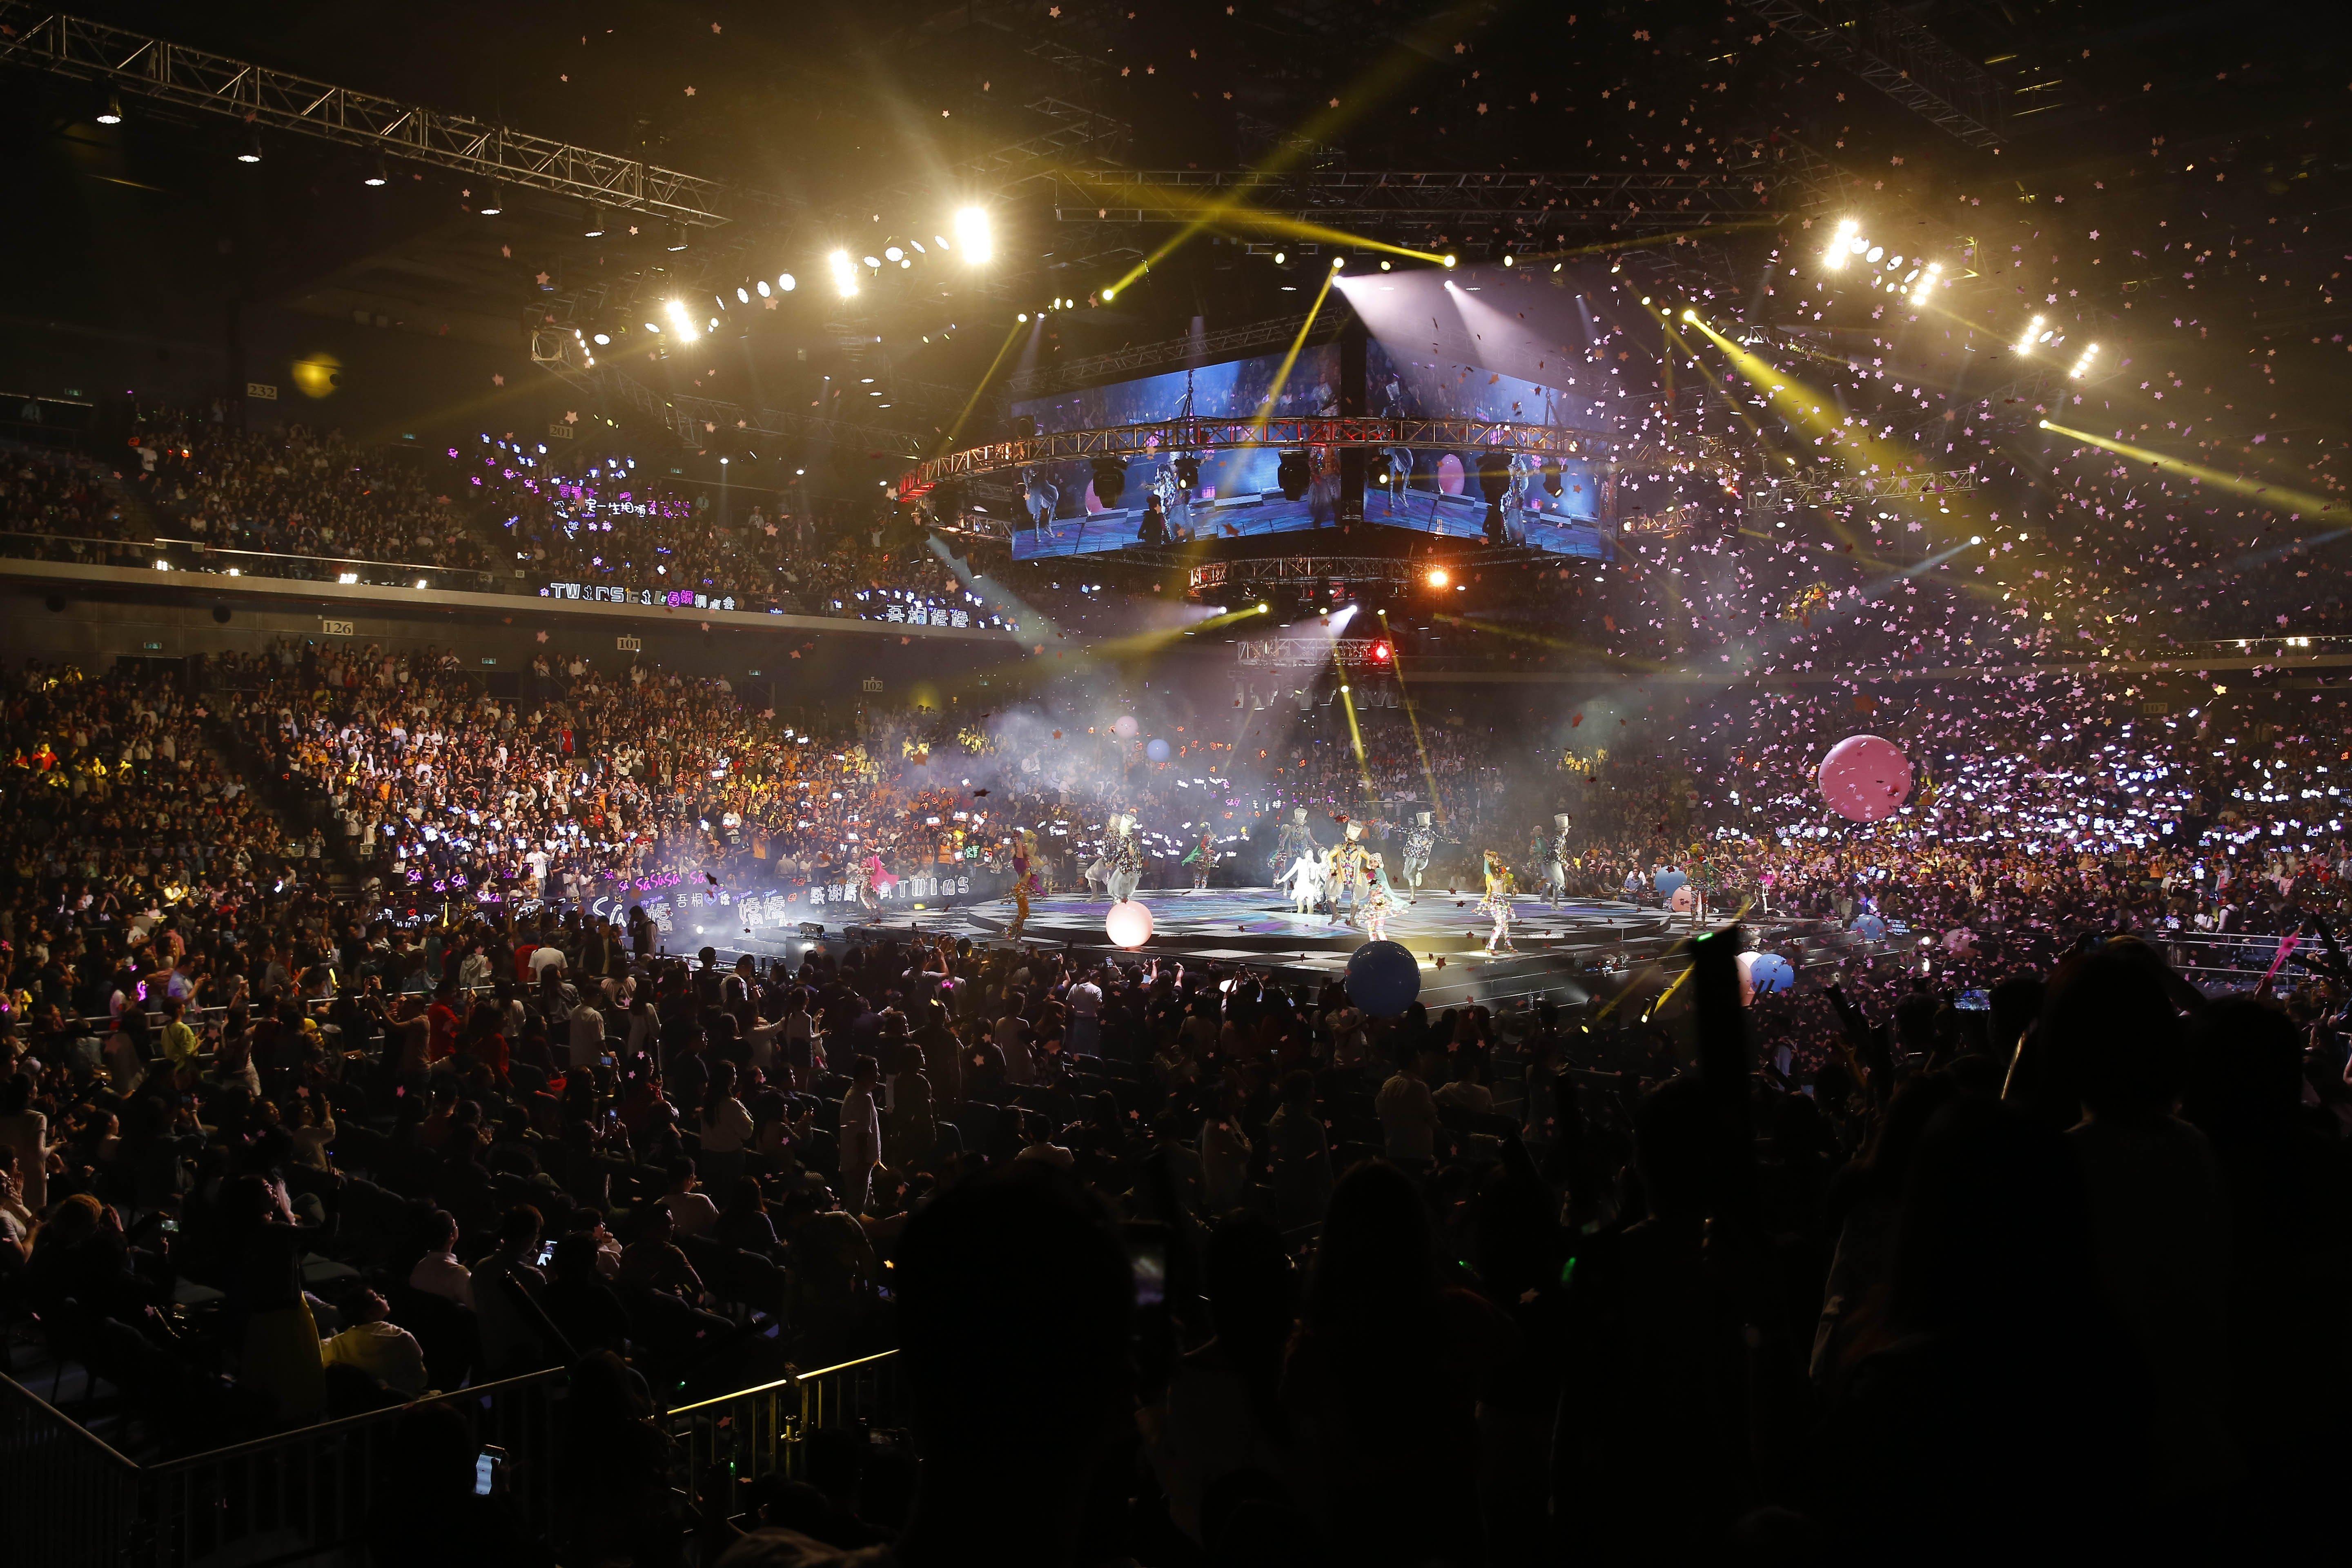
(497, 380)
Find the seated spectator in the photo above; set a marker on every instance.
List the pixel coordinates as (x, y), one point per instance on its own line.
(383, 1349)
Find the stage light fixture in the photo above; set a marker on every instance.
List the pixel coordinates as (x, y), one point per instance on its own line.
(2025, 343)
(742, 295)
(1279, 259)
(1110, 481)
(1507, 259)
(678, 236)
(654, 326)
(111, 112)
(1439, 577)
(1337, 262)
(844, 273)
(497, 203)
(682, 323)
(1264, 610)
(1293, 474)
(873, 261)
(762, 287)
(787, 282)
(594, 228)
(1110, 293)
(1929, 277)
(2083, 366)
(1386, 264)
(252, 153)
(1024, 316)
(378, 175)
(1689, 315)
(973, 233)
(603, 339)
(894, 253)
(1451, 258)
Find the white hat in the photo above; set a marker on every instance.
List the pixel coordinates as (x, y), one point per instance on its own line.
(1421, 817)
(1560, 820)
(1298, 814)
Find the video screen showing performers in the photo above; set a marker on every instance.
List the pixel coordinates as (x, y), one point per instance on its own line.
(1507, 498)
(1085, 507)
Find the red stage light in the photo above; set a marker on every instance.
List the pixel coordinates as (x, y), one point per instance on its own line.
(1380, 653)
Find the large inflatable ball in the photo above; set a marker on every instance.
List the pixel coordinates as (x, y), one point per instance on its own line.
(1382, 978)
(1761, 973)
(1127, 924)
(1157, 751)
(1865, 778)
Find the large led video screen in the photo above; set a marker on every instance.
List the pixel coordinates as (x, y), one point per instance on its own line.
(1547, 505)
(1237, 493)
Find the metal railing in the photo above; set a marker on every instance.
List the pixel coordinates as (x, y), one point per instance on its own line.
(764, 1430)
(169, 555)
(293, 1495)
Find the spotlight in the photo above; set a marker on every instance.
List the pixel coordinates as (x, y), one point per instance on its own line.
(1337, 262)
(497, 202)
(742, 296)
(681, 321)
(678, 236)
(1024, 316)
(2032, 330)
(112, 114)
(1507, 259)
(972, 231)
(1689, 315)
(762, 287)
(1451, 258)
(2082, 365)
(895, 253)
(1265, 609)
(1439, 577)
(378, 175)
(1835, 256)
(1279, 259)
(1110, 293)
(875, 262)
(252, 153)
(594, 228)
(1380, 653)
(844, 273)
(787, 282)
(1927, 281)
(602, 340)
(1386, 264)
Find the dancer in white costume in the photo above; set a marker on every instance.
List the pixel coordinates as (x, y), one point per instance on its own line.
(1126, 858)
(1304, 877)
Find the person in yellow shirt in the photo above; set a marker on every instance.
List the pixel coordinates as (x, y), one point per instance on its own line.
(179, 1042)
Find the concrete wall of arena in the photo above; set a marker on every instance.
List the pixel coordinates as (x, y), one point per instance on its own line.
(812, 673)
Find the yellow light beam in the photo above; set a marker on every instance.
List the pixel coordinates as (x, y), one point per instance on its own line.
(947, 436)
(2278, 496)
(1282, 376)
(1396, 661)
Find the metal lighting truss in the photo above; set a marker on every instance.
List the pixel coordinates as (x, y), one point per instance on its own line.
(1393, 199)
(1172, 435)
(1208, 347)
(190, 79)
(1905, 61)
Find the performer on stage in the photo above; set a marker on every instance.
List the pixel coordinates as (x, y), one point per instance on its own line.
(873, 884)
(1202, 859)
(1500, 888)
(1348, 859)
(1378, 901)
(1418, 842)
(1125, 856)
(1304, 877)
(1556, 863)
(1024, 849)
(1296, 839)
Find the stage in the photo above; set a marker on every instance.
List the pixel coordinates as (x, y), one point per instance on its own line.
(1565, 951)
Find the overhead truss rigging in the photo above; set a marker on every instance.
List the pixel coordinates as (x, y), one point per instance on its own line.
(198, 81)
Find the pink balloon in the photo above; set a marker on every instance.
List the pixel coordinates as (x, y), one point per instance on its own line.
(1128, 925)
(1865, 778)
(1449, 474)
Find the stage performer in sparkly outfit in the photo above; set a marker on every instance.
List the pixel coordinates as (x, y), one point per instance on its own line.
(1500, 887)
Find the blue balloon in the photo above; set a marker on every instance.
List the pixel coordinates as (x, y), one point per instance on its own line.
(1772, 973)
(1383, 979)
(1157, 751)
